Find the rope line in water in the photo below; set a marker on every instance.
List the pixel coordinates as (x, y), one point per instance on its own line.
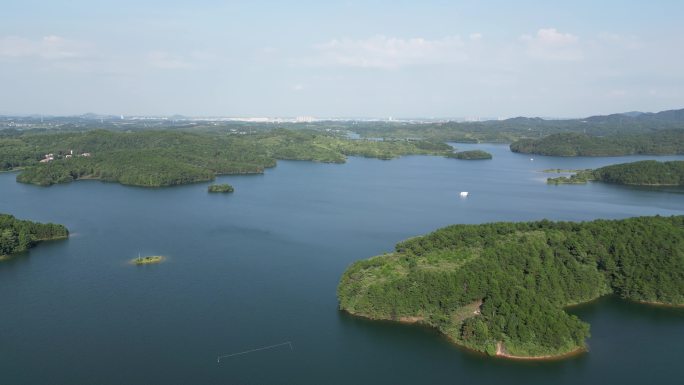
(289, 343)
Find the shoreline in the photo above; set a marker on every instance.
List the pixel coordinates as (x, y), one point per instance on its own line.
(659, 304)
(418, 320)
(52, 239)
(11, 170)
(100, 179)
(500, 349)
(648, 184)
(407, 320)
(7, 257)
(500, 352)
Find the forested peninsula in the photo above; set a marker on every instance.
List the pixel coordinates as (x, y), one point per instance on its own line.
(19, 235)
(666, 142)
(167, 158)
(501, 288)
(642, 173)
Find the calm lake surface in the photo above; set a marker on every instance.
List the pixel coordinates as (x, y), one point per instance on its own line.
(260, 267)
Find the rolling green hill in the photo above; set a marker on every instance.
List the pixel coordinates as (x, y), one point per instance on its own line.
(502, 287)
(167, 158)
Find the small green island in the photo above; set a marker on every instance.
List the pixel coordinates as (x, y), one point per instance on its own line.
(642, 173)
(502, 288)
(17, 235)
(220, 188)
(470, 155)
(147, 260)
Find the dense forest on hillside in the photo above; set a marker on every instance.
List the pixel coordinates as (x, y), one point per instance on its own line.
(17, 235)
(573, 144)
(642, 173)
(505, 284)
(166, 158)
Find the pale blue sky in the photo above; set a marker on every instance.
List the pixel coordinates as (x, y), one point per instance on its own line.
(341, 59)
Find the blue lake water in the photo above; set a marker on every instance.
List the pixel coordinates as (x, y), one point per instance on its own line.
(260, 267)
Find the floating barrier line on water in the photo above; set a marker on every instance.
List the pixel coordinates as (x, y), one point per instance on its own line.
(218, 359)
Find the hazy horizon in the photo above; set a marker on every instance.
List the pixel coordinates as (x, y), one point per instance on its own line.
(376, 59)
(317, 118)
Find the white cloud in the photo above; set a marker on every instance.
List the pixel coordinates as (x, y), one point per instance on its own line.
(166, 60)
(617, 93)
(180, 61)
(475, 36)
(553, 37)
(620, 41)
(268, 50)
(550, 44)
(59, 53)
(47, 48)
(390, 52)
(298, 87)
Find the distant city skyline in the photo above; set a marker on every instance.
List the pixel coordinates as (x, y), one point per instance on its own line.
(303, 119)
(401, 59)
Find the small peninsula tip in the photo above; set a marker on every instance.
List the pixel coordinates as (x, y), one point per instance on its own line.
(17, 236)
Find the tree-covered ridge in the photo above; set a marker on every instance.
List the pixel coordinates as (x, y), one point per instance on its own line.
(471, 155)
(166, 158)
(505, 131)
(642, 173)
(521, 275)
(17, 235)
(509, 130)
(575, 144)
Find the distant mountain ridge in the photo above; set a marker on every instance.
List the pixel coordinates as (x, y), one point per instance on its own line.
(669, 116)
(493, 131)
